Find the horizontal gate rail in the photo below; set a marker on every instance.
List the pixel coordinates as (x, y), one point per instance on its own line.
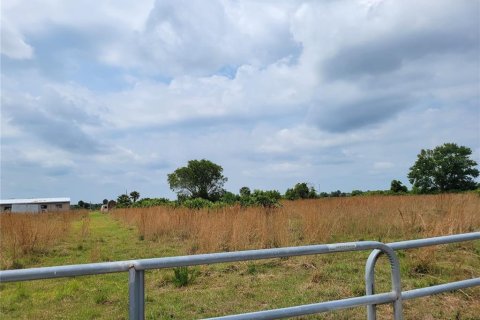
(413, 244)
(451, 286)
(136, 271)
(182, 261)
(314, 308)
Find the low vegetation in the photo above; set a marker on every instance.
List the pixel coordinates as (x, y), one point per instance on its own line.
(205, 291)
(307, 221)
(26, 234)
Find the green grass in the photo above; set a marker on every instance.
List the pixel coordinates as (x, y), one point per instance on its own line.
(227, 288)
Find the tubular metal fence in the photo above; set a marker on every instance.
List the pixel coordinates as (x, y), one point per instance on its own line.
(136, 270)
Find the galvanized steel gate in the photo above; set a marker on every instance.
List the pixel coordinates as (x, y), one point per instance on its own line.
(136, 270)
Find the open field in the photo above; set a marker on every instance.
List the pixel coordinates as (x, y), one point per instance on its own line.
(240, 287)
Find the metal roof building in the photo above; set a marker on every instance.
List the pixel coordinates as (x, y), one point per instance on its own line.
(35, 205)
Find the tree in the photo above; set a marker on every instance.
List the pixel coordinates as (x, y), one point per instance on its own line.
(356, 193)
(105, 201)
(134, 195)
(245, 192)
(300, 191)
(397, 186)
(123, 201)
(445, 168)
(199, 179)
(111, 204)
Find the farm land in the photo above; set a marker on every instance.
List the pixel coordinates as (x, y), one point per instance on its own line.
(28, 241)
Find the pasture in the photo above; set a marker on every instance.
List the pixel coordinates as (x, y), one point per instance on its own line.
(80, 237)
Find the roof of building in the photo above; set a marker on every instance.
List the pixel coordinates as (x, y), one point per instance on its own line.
(34, 200)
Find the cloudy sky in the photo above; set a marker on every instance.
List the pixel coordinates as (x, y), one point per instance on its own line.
(102, 97)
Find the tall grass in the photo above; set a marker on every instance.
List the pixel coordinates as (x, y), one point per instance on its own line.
(25, 233)
(308, 221)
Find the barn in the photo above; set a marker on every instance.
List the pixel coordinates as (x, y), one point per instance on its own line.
(35, 205)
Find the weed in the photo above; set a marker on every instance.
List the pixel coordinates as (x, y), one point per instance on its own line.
(182, 276)
(100, 296)
(252, 269)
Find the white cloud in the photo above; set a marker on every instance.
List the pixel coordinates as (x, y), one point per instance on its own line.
(13, 43)
(339, 93)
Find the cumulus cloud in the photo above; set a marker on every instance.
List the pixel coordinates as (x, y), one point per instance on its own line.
(53, 118)
(202, 38)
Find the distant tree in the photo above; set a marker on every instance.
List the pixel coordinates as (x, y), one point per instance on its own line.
(111, 204)
(446, 168)
(267, 199)
(105, 201)
(134, 195)
(229, 197)
(199, 179)
(300, 191)
(396, 186)
(356, 193)
(312, 193)
(337, 193)
(83, 205)
(245, 192)
(290, 194)
(123, 201)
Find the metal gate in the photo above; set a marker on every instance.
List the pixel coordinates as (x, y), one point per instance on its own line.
(136, 270)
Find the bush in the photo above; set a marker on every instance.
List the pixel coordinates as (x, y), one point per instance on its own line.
(147, 202)
(356, 193)
(301, 191)
(229, 198)
(197, 203)
(267, 199)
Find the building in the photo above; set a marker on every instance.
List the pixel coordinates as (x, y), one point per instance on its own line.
(35, 205)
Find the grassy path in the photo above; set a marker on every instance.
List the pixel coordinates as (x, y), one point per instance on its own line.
(93, 239)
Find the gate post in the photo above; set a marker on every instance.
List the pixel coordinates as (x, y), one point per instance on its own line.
(370, 282)
(370, 287)
(136, 294)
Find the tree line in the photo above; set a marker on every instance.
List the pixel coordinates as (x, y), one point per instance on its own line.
(446, 168)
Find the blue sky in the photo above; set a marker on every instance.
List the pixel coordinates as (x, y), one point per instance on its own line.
(99, 98)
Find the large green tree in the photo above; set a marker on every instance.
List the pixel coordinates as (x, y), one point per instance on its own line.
(199, 179)
(446, 168)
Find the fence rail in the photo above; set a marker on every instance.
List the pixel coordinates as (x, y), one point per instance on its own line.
(136, 270)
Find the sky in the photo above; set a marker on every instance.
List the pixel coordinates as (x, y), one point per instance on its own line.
(99, 98)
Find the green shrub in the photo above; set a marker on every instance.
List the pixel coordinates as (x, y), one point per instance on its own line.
(182, 276)
(147, 202)
(267, 199)
(197, 203)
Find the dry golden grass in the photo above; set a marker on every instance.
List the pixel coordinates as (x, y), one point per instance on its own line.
(247, 286)
(26, 233)
(384, 218)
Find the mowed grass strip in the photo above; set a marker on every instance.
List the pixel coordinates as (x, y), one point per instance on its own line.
(250, 286)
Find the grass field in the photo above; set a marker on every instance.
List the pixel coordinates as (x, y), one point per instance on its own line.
(46, 240)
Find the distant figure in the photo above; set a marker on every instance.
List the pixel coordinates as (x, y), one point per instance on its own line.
(104, 208)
